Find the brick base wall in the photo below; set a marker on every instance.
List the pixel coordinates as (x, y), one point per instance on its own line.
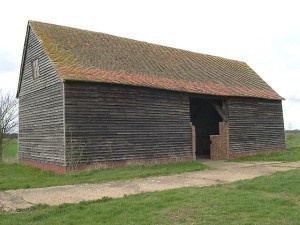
(63, 169)
(45, 166)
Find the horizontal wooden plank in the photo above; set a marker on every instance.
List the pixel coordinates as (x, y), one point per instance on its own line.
(116, 122)
(255, 124)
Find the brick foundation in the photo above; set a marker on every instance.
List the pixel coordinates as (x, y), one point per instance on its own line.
(248, 153)
(45, 166)
(63, 169)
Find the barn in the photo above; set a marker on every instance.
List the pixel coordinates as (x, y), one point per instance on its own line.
(89, 99)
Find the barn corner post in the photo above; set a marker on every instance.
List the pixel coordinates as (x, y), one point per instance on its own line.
(193, 141)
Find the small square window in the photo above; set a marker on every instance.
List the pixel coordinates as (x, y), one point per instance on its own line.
(35, 68)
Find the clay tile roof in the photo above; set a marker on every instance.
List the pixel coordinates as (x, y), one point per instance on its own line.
(97, 57)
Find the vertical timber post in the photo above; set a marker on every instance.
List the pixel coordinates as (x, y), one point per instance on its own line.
(193, 142)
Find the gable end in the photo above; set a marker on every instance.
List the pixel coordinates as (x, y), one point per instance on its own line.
(29, 31)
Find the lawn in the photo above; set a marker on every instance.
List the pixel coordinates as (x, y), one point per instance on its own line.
(10, 151)
(21, 176)
(266, 200)
(291, 155)
(15, 175)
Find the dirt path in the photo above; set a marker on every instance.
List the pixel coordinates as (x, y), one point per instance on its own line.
(221, 172)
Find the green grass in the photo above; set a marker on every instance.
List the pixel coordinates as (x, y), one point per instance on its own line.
(266, 200)
(291, 155)
(10, 148)
(17, 176)
(21, 176)
(285, 183)
(293, 139)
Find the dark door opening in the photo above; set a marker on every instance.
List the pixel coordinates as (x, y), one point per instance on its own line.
(206, 121)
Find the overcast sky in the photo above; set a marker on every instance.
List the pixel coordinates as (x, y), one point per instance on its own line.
(265, 34)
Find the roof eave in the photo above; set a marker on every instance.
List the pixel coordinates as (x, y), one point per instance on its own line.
(278, 98)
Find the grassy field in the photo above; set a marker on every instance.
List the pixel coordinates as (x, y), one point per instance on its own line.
(17, 175)
(293, 139)
(266, 200)
(292, 155)
(10, 151)
(21, 176)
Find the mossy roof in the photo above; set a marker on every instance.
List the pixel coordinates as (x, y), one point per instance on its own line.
(83, 55)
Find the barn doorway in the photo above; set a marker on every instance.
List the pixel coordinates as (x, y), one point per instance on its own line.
(205, 118)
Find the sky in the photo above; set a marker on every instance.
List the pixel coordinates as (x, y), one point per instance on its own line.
(263, 33)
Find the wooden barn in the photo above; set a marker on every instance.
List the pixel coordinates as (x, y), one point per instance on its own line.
(89, 99)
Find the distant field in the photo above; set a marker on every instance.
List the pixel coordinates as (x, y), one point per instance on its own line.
(10, 151)
(293, 139)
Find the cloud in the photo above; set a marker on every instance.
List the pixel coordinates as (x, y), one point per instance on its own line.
(295, 98)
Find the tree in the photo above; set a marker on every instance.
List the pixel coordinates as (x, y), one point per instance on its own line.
(8, 117)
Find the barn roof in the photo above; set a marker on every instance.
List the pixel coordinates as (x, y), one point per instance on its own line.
(83, 55)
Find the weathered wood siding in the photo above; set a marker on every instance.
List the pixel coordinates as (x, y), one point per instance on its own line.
(255, 125)
(119, 123)
(41, 134)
